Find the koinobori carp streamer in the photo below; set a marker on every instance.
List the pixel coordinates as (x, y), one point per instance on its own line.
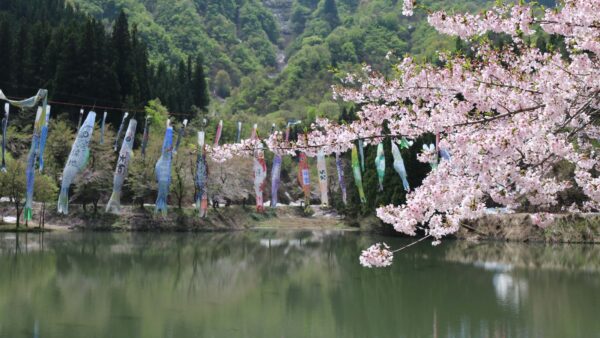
(78, 158)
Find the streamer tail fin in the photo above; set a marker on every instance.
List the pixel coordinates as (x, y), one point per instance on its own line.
(114, 203)
(63, 201)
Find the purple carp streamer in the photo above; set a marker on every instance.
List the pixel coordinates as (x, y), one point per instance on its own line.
(340, 172)
(260, 175)
(116, 145)
(163, 171)
(380, 165)
(201, 177)
(31, 160)
(145, 137)
(357, 174)
(4, 128)
(180, 135)
(399, 166)
(102, 126)
(114, 204)
(218, 134)
(43, 138)
(275, 176)
(323, 180)
(78, 158)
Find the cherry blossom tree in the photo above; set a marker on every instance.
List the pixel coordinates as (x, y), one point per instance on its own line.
(506, 115)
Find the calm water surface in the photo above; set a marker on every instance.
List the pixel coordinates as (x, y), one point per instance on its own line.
(261, 284)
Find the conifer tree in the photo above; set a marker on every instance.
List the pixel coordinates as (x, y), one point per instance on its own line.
(199, 86)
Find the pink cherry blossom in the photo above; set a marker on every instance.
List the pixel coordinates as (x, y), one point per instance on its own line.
(377, 255)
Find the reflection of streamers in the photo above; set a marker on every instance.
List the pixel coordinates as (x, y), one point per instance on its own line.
(77, 160)
(163, 172)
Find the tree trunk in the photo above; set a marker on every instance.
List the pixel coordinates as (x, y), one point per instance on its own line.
(18, 214)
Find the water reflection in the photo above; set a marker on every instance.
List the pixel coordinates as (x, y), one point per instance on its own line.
(289, 284)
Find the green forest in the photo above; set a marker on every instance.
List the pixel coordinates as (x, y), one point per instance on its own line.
(265, 62)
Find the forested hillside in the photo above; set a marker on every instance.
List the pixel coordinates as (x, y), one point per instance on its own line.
(46, 44)
(277, 57)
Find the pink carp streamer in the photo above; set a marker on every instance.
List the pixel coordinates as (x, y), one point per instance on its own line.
(219, 132)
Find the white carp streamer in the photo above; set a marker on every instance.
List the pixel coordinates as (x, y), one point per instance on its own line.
(114, 204)
(78, 158)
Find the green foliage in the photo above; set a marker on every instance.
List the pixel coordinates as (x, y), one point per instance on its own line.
(12, 184)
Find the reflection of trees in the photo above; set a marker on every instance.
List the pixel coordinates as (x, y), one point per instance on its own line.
(284, 284)
(546, 256)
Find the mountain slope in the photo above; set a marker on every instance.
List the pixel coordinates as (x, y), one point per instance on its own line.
(279, 57)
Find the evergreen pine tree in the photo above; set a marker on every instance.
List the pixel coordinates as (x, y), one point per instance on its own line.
(199, 86)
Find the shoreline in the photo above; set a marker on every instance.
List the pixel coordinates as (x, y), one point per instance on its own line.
(516, 227)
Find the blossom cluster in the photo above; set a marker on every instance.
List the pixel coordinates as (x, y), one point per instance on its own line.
(508, 116)
(377, 255)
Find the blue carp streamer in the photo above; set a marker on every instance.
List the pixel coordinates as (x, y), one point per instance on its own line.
(102, 126)
(180, 135)
(30, 169)
(380, 165)
(201, 177)
(340, 172)
(78, 159)
(163, 171)
(116, 145)
(43, 138)
(114, 204)
(4, 128)
(399, 166)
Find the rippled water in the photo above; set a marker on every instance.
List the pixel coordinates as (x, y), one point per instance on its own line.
(291, 284)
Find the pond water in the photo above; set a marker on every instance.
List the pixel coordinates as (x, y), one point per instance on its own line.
(291, 284)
